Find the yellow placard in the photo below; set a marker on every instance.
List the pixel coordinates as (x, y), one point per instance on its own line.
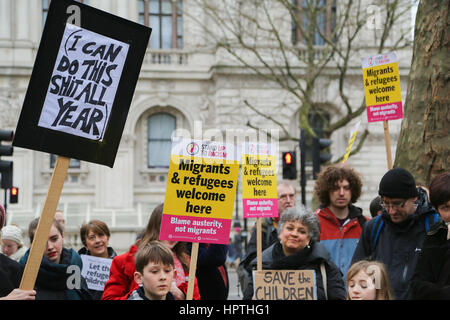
(382, 84)
(200, 188)
(259, 178)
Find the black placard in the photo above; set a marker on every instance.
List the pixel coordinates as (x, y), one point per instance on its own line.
(82, 83)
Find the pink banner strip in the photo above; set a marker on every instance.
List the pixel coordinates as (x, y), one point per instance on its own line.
(195, 229)
(260, 208)
(382, 112)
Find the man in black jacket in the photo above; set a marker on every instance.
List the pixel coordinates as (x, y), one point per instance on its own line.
(396, 236)
(10, 275)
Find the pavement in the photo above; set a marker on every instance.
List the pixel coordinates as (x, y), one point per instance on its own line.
(234, 292)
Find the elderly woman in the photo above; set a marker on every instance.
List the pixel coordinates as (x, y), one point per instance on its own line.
(298, 248)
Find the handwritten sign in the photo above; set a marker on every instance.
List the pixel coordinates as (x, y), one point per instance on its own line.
(382, 87)
(285, 285)
(95, 271)
(84, 83)
(259, 180)
(200, 193)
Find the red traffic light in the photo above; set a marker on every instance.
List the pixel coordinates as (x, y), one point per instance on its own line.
(13, 195)
(288, 158)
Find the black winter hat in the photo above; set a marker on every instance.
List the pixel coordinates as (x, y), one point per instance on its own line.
(398, 183)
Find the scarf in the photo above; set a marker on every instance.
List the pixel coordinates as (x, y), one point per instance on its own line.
(294, 261)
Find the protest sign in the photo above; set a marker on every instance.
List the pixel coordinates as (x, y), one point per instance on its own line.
(79, 94)
(95, 271)
(382, 92)
(78, 98)
(200, 193)
(259, 180)
(382, 87)
(84, 83)
(285, 285)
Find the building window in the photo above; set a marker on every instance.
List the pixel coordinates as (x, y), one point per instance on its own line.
(74, 163)
(324, 13)
(46, 4)
(165, 19)
(160, 127)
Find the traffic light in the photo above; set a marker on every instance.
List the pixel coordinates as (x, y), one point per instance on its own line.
(289, 165)
(13, 195)
(6, 167)
(320, 156)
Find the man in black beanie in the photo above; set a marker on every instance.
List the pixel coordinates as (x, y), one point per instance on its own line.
(395, 237)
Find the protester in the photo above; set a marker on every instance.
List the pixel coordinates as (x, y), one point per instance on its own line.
(59, 216)
(368, 280)
(54, 280)
(11, 275)
(231, 255)
(431, 280)
(211, 273)
(298, 248)
(95, 237)
(155, 272)
(375, 207)
(237, 244)
(12, 242)
(396, 236)
(269, 235)
(337, 188)
(121, 275)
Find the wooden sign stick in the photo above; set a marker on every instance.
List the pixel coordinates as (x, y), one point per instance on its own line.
(45, 224)
(192, 269)
(388, 144)
(258, 244)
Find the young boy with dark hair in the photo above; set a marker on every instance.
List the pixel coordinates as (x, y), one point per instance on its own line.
(155, 272)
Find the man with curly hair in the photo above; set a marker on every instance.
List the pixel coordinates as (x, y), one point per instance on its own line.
(337, 188)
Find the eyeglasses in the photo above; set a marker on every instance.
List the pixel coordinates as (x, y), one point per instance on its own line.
(394, 205)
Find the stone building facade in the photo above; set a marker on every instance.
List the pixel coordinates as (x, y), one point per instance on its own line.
(184, 84)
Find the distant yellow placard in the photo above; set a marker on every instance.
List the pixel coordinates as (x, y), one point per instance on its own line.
(382, 84)
(259, 178)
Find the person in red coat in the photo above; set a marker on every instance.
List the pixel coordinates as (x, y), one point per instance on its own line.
(337, 188)
(121, 274)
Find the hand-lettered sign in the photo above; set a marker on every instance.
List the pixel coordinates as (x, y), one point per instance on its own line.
(200, 193)
(284, 285)
(95, 271)
(82, 84)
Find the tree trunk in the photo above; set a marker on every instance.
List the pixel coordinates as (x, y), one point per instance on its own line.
(424, 142)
